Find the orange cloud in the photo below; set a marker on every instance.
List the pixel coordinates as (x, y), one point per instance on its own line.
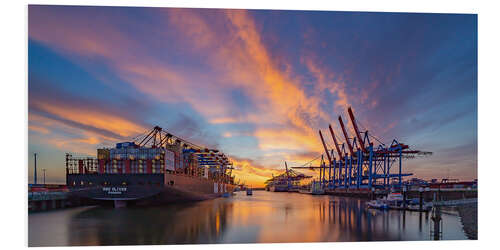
(232, 47)
(93, 118)
(252, 173)
(39, 129)
(80, 143)
(244, 60)
(287, 139)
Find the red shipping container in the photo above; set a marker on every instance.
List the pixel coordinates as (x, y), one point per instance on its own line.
(101, 166)
(80, 167)
(127, 166)
(149, 168)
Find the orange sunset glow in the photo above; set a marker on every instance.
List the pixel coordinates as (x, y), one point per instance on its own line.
(258, 85)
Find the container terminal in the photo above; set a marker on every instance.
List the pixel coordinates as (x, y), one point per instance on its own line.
(158, 167)
(355, 166)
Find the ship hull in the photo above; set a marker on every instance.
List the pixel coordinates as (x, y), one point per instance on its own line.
(146, 188)
(278, 188)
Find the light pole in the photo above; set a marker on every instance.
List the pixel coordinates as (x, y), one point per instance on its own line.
(43, 176)
(421, 198)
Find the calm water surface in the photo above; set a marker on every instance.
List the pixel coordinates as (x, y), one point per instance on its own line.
(263, 217)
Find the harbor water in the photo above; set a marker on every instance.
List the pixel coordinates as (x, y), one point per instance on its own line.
(264, 217)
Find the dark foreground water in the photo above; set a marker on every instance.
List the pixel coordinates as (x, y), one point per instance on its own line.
(263, 217)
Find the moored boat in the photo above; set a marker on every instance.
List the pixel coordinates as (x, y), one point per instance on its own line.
(377, 204)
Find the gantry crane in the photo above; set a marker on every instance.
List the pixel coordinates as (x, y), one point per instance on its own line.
(364, 166)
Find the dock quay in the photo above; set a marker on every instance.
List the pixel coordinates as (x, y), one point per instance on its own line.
(468, 216)
(355, 166)
(429, 195)
(454, 202)
(444, 194)
(360, 193)
(52, 196)
(41, 201)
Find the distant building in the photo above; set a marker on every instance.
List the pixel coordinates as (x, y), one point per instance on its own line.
(453, 183)
(416, 182)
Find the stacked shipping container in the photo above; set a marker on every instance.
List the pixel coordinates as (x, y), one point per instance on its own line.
(129, 158)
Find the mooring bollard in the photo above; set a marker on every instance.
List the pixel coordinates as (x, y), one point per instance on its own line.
(436, 219)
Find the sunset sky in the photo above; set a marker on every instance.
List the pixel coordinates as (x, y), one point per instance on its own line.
(257, 84)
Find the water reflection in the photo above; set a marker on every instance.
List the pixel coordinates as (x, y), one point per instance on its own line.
(181, 224)
(263, 217)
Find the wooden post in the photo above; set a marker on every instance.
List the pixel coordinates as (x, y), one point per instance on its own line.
(421, 198)
(404, 197)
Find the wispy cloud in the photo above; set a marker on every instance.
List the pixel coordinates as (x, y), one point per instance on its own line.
(222, 75)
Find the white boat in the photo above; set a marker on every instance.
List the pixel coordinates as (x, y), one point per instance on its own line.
(391, 200)
(377, 204)
(394, 197)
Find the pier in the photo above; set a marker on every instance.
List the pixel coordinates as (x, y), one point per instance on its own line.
(52, 196)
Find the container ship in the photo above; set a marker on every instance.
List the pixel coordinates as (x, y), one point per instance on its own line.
(289, 181)
(154, 169)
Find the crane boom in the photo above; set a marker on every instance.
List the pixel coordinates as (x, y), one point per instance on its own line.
(346, 136)
(287, 175)
(286, 168)
(335, 141)
(324, 146)
(361, 143)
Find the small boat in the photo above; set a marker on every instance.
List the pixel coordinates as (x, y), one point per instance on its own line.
(377, 204)
(249, 191)
(394, 197)
(392, 200)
